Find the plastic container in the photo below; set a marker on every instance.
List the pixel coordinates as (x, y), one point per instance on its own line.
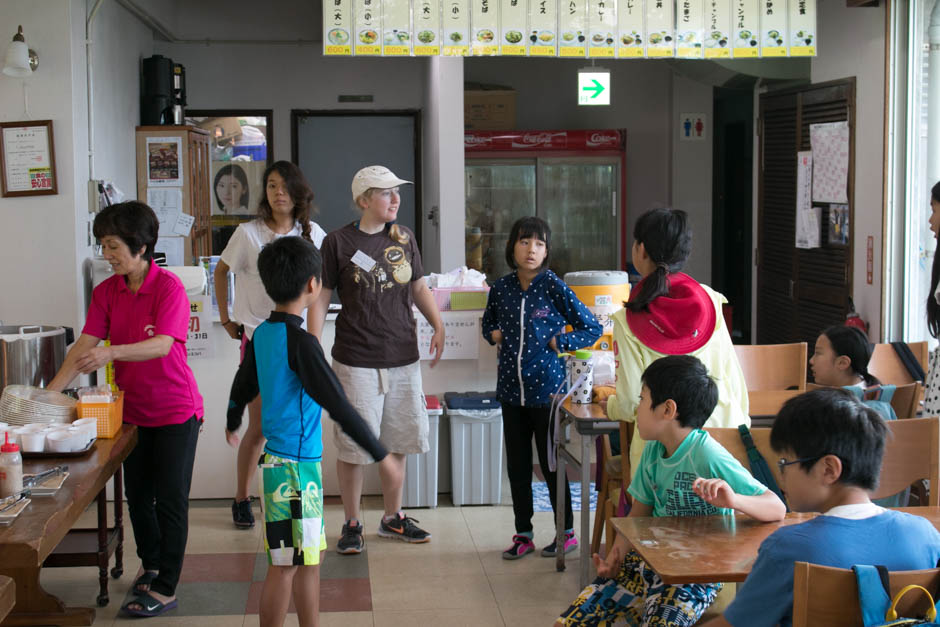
(465, 298)
(603, 292)
(256, 153)
(476, 440)
(420, 489)
(108, 415)
(580, 367)
(11, 469)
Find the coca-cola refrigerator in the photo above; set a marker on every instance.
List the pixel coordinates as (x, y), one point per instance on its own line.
(575, 180)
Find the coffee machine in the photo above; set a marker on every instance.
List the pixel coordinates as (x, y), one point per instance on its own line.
(163, 91)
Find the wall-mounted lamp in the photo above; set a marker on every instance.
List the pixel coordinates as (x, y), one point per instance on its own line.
(20, 60)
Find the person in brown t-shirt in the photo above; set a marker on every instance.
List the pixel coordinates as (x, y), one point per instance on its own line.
(375, 266)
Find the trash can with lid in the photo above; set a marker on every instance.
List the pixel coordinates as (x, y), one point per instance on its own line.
(420, 489)
(476, 439)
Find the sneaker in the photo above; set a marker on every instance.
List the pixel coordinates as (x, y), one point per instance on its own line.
(403, 528)
(350, 542)
(241, 514)
(521, 545)
(571, 543)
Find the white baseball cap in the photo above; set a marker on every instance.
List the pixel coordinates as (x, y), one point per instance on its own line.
(377, 176)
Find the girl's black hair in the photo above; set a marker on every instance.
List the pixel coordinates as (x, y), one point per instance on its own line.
(852, 343)
(300, 194)
(933, 309)
(238, 173)
(667, 239)
(529, 226)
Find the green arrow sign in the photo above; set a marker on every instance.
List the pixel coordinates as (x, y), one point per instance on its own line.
(594, 87)
(597, 88)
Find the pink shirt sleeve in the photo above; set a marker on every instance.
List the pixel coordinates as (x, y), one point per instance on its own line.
(98, 320)
(171, 310)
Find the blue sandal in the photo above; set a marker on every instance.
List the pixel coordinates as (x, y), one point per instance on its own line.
(149, 606)
(144, 580)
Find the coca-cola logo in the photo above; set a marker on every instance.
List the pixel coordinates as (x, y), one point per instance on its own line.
(530, 140)
(602, 139)
(476, 140)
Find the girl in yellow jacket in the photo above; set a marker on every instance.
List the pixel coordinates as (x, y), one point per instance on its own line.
(670, 313)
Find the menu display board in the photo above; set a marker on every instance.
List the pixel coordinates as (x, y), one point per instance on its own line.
(543, 38)
(690, 29)
(632, 40)
(746, 29)
(337, 22)
(660, 28)
(512, 23)
(802, 25)
(572, 29)
(396, 28)
(427, 21)
(718, 29)
(484, 22)
(626, 29)
(455, 24)
(773, 28)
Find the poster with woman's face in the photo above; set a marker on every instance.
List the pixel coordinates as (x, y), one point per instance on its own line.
(236, 187)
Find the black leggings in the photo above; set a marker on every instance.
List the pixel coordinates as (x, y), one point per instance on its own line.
(519, 425)
(157, 477)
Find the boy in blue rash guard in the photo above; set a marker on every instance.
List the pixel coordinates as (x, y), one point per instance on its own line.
(831, 447)
(285, 364)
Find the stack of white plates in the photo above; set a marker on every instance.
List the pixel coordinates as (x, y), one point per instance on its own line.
(24, 404)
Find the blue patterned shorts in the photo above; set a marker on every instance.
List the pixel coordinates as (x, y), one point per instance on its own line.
(638, 596)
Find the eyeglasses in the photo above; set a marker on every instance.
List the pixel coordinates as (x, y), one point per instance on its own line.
(783, 463)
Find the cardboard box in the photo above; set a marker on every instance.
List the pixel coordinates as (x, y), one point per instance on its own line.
(489, 109)
(222, 128)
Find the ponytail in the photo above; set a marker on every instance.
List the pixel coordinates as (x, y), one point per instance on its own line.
(853, 343)
(305, 231)
(667, 239)
(397, 234)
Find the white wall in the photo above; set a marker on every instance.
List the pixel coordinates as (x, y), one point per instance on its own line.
(851, 43)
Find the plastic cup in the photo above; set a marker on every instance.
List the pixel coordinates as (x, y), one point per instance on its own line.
(33, 442)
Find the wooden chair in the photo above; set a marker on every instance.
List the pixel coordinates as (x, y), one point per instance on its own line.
(829, 596)
(912, 452)
(773, 366)
(730, 438)
(611, 468)
(7, 596)
(615, 487)
(768, 402)
(905, 402)
(887, 366)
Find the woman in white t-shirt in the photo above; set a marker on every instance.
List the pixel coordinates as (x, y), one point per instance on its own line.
(284, 210)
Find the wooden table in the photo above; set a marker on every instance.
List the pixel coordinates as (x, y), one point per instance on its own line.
(27, 543)
(7, 596)
(707, 549)
(589, 421)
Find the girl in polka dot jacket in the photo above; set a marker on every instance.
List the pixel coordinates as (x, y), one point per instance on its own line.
(525, 316)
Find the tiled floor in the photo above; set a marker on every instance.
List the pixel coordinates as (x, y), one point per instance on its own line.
(457, 579)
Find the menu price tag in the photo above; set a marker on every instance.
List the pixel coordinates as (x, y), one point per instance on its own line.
(484, 22)
(745, 29)
(802, 28)
(602, 28)
(660, 28)
(690, 29)
(396, 28)
(773, 28)
(632, 34)
(456, 26)
(368, 27)
(542, 25)
(337, 19)
(572, 27)
(427, 22)
(512, 20)
(718, 29)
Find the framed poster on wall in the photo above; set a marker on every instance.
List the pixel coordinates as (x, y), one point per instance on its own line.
(27, 159)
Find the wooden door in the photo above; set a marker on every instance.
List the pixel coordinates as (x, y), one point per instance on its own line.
(800, 292)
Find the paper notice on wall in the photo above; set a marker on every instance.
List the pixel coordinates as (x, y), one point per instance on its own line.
(484, 27)
(338, 24)
(172, 247)
(183, 224)
(164, 162)
(802, 28)
(830, 144)
(427, 24)
(368, 27)
(602, 29)
(804, 180)
(573, 31)
(718, 23)
(660, 28)
(632, 30)
(690, 29)
(512, 20)
(198, 343)
(461, 335)
(808, 227)
(773, 28)
(745, 29)
(542, 26)
(396, 28)
(167, 203)
(455, 22)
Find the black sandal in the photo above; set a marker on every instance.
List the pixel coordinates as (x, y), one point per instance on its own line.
(144, 580)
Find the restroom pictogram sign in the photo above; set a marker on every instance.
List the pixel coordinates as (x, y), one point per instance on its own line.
(693, 127)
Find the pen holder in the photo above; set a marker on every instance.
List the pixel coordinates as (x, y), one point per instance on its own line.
(581, 376)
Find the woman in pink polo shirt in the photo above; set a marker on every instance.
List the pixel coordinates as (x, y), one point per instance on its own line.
(144, 311)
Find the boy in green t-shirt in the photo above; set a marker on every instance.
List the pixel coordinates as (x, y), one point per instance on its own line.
(682, 472)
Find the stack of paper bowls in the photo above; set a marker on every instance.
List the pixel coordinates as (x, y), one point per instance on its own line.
(24, 404)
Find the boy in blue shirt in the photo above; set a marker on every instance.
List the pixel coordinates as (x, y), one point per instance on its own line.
(682, 472)
(285, 364)
(831, 447)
